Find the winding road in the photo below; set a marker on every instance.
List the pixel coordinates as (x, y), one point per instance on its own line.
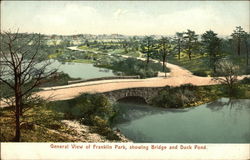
(176, 77)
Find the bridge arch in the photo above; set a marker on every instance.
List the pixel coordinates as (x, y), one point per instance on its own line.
(147, 93)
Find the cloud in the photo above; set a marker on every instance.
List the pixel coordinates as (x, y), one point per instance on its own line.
(119, 12)
(126, 18)
(70, 19)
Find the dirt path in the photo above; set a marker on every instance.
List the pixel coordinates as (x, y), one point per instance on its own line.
(176, 77)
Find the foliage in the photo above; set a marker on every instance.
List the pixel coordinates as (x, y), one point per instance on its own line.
(57, 79)
(165, 49)
(91, 109)
(176, 97)
(179, 39)
(212, 45)
(190, 43)
(200, 73)
(229, 73)
(147, 45)
(245, 80)
(132, 66)
(22, 71)
(238, 35)
(35, 125)
(189, 95)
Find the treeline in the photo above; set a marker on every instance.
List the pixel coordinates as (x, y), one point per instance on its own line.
(191, 44)
(187, 43)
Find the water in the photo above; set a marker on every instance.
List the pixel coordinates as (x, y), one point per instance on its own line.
(82, 70)
(222, 121)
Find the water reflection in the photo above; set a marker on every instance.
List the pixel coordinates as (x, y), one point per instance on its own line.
(131, 111)
(81, 70)
(235, 104)
(222, 121)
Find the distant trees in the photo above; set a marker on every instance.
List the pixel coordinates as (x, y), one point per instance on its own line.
(134, 43)
(21, 71)
(238, 35)
(125, 45)
(64, 44)
(190, 42)
(212, 45)
(87, 43)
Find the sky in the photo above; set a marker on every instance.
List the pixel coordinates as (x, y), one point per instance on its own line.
(124, 17)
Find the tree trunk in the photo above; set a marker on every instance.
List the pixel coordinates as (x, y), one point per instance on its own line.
(18, 103)
(163, 64)
(17, 116)
(179, 50)
(164, 67)
(247, 51)
(213, 62)
(189, 55)
(238, 47)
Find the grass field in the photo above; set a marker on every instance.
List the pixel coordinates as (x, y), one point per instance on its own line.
(200, 63)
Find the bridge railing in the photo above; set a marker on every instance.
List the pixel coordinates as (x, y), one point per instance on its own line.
(104, 78)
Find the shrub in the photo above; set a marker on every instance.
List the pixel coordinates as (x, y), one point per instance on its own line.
(176, 97)
(248, 70)
(200, 73)
(132, 66)
(188, 86)
(245, 80)
(88, 106)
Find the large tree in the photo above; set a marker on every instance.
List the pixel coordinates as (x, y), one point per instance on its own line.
(165, 49)
(147, 46)
(212, 45)
(238, 35)
(22, 71)
(191, 42)
(179, 43)
(246, 40)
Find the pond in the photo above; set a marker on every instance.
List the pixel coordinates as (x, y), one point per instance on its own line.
(221, 121)
(81, 70)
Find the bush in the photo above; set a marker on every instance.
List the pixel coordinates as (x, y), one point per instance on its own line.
(200, 73)
(132, 66)
(188, 86)
(91, 109)
(87, 106)
(176, 97)
(245, 80)
(248, 70)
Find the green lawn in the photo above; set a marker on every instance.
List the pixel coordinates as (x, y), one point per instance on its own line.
(199, 64)
(55, 55)
(86, 48)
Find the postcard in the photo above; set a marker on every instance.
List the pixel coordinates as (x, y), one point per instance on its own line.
(125, 80)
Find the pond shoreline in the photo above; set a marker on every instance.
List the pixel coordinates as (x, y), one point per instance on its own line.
(183, 125)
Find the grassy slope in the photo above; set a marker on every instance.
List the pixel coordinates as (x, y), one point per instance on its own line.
(45, 127)
(200, 63)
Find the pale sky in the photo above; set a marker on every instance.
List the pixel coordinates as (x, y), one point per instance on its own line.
(124, 17)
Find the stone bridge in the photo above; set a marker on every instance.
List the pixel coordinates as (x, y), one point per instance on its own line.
(147, 93)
